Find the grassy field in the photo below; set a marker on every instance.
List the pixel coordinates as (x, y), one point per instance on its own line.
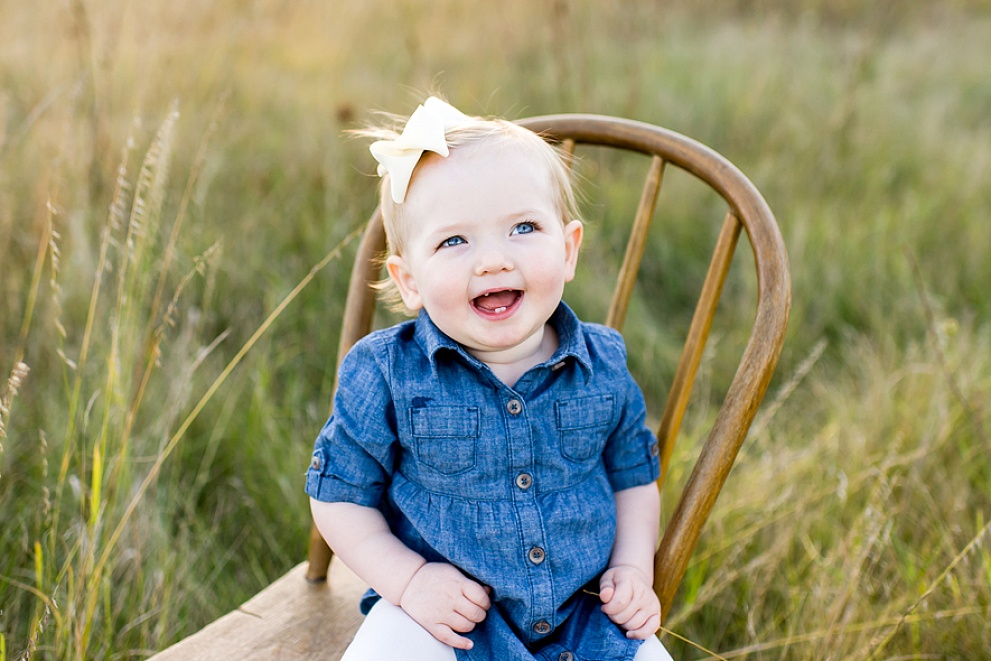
(176, 206)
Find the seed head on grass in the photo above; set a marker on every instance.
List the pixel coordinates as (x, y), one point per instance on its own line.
(17, 376)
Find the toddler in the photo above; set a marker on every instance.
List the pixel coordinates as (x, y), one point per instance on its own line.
(487, 469)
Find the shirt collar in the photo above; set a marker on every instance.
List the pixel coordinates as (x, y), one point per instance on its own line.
(571, 340)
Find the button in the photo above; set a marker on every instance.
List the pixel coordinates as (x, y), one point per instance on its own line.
(542, 628)
(654, 450)
(536, 555)
(524, 481)
(514, 406)
(566, 656)
(315, 463)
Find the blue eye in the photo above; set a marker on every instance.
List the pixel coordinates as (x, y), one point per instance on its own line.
(525, 228)
(453, 241)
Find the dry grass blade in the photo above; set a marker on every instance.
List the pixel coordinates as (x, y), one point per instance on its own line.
(334, 253)
(880, 645)
(36, 273)
(789, 387)
(839, 631)
(973, 412)
(712, 655)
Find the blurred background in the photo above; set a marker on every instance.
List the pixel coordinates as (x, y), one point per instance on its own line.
(178, 195)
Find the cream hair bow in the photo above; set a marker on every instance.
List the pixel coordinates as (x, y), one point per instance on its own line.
(424, 131)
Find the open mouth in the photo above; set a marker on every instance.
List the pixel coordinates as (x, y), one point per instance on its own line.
(497, 302)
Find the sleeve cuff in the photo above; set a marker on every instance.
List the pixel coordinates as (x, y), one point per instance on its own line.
(635, 477)
(330, 489)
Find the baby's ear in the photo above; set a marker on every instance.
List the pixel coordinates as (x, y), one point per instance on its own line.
(401, 275)
(573, 233)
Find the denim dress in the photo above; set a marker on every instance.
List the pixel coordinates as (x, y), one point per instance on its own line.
(513, 485)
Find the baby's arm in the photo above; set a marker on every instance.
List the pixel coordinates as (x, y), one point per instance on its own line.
(626, 588)
(437, 595)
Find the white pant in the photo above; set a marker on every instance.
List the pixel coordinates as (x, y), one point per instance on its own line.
(387, 628)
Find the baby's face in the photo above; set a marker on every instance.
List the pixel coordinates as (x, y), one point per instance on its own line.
(487, 254)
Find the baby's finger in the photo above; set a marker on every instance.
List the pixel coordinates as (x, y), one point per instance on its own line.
(607, 588)
(446, 635)
(477, 594)
(647, 629)
(622, 617)
(470, 611)
(636, 619)
(619, 600)
(459, 623)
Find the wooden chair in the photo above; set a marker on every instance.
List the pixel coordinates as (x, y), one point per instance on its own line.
(303, 615)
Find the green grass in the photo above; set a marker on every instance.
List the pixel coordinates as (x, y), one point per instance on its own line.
(176, 202)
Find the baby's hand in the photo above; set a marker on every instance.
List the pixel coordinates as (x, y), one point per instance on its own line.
(444, 601)
(628, 599)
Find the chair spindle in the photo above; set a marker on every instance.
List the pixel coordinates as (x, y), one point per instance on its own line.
(636, 245)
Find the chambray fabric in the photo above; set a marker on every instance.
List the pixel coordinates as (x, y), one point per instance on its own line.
(512, 485)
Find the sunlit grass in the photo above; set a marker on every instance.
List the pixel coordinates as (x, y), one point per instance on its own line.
(175, 193)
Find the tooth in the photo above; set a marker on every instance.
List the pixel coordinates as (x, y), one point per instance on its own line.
(500, 310)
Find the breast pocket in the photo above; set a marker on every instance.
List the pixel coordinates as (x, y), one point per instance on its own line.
(583, 424)
(445, 437)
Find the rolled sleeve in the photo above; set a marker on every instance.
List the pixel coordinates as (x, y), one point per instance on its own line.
(631, 453)
(354, 454)
(634, 477)
(330, 488)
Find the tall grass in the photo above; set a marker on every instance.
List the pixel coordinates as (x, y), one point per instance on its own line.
(176, 204)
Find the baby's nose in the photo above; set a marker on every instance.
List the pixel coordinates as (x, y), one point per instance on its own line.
(493, 260)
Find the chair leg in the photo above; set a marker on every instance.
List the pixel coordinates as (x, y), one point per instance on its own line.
(319, 557)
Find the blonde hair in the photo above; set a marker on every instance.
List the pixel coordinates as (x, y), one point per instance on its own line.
(474, 131)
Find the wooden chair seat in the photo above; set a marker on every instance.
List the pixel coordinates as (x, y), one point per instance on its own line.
(300, 617)
(291, 619)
